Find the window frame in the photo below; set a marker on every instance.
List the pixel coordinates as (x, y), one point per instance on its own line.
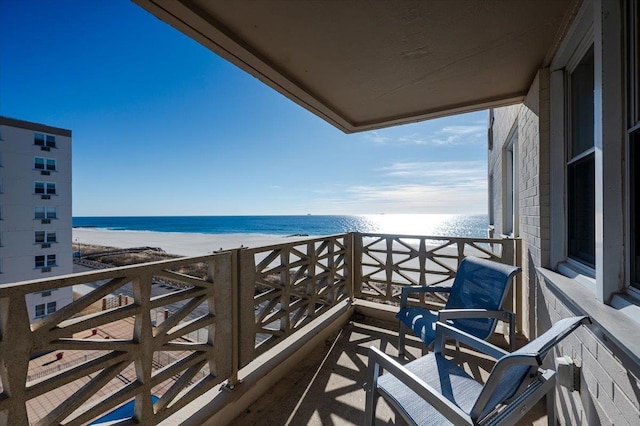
(47, 188)
(580, 38)
(45, 164)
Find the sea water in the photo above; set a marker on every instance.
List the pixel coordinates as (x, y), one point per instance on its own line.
(469, 226)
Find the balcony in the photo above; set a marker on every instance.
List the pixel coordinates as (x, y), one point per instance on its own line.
(207, 339)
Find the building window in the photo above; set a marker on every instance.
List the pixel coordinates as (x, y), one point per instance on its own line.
(47, 261)
(42, 237)
(48, 188)
(580, 172)
(40, 310)
(45, 164)
(48, 141)
(45, 213)
(45, 309)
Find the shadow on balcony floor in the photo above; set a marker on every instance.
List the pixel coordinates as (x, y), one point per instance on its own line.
(327, 388)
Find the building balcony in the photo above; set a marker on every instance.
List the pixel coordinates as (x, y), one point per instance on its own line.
(269, 335)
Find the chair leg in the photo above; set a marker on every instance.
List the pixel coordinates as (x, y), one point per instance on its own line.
(401, 338)
(371, 390)
(551, 407)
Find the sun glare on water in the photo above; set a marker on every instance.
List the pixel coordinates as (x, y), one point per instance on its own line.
(410, 224)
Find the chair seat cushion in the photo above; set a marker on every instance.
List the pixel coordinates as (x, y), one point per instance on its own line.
(421, 321)
(445, 376)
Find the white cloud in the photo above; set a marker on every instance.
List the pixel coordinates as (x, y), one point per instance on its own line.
(449, 135)
(418, 187)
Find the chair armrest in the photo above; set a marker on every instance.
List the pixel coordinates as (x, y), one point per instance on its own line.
(444, 331)
(448, 314)
(424, 391)
(407, 290)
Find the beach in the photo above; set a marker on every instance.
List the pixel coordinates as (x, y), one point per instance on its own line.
(184, 244)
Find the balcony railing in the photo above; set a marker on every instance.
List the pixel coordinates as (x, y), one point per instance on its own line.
(174, 342)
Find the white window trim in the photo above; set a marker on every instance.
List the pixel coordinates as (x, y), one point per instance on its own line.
(576, 44)
(510, 188)
(609, 272)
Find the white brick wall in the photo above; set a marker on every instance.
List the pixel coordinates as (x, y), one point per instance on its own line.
(610, 382)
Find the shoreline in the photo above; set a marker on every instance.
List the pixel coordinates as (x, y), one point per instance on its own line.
(178, 243)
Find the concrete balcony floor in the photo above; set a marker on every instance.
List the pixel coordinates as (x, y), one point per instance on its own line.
(327, 388)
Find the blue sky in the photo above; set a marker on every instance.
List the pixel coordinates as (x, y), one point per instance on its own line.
(162, 126)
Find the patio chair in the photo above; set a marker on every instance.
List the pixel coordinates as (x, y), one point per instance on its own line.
(433, 390)
(474, 304)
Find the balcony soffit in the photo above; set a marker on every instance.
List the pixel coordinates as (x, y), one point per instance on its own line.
(361, 65)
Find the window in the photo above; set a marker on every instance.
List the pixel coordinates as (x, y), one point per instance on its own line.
(42, 261)
(42, 237)
(45, 164)
(580, 172)
(45, 309)
(45, 213)
(40, 310)
(47, 141)
(48, 188)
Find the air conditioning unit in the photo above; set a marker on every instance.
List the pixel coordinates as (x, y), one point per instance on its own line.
(47, 269)
(46, 173)
(46, 245)
(46, 197)
(45, 221)
(45, 148)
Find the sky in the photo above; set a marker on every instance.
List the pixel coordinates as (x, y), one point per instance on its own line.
(162, 126)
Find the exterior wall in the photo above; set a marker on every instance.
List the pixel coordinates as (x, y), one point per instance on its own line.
(526, 120)
(18, 201)
(607, 351)
(610, 381)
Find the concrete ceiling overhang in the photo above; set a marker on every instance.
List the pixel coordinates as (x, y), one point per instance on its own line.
(363, 64)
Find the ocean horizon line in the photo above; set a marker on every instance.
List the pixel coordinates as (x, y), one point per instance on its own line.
(297, 225)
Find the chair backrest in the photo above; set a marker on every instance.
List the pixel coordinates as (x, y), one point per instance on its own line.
(511, 371)
(480, 284)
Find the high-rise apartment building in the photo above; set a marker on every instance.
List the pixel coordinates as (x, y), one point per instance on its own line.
(35, 209)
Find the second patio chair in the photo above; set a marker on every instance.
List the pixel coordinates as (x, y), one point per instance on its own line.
(433, 390)
(474, 304)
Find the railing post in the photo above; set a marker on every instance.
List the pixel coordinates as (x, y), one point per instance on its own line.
(355, 268)
(246, 308)
(520, 296)
(222, 274)
(143, 408)
(15, 350)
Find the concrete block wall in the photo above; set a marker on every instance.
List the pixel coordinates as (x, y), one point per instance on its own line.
(527, 120)
(610, 382)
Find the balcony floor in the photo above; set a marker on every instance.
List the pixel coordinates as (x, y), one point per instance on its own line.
(327, 388)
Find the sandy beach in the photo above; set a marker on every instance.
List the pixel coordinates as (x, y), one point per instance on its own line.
(184, 244)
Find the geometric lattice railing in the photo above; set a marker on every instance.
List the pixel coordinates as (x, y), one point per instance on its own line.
(148, 339)
(154, 354)
(290, 284)
(389, 262)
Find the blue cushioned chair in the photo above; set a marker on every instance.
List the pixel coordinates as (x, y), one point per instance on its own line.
(433, 390)
(474, 304)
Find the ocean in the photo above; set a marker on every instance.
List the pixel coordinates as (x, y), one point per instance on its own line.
(473, 226)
